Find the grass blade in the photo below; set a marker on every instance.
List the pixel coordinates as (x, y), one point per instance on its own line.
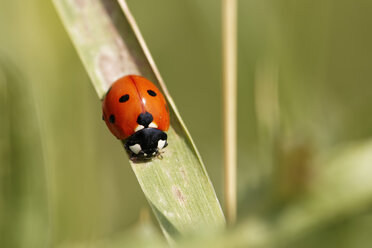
(23, 194)
(229, 36)
(110, 46)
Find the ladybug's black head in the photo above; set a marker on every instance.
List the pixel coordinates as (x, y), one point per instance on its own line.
(146, 142)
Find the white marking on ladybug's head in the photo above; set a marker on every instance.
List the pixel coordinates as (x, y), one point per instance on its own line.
(153, 154)
(161, 144)
(135, 148)
(145, 154)
(139, 127)
(153, 125)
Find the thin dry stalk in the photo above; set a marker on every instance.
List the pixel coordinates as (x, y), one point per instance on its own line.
(229, 51)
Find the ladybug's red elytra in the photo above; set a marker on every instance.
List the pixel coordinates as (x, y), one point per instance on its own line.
(136, 111)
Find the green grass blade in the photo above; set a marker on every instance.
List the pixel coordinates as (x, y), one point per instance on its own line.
(110, 46)
(23, 194)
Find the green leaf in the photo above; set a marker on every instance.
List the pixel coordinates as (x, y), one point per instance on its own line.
(23, 194)
(340, 191)
(341, 187)
(338, 201)
(110, 45)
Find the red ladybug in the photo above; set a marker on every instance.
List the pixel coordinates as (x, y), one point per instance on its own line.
(135, 110)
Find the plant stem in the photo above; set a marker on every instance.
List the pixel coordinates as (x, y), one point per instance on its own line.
(229, 51)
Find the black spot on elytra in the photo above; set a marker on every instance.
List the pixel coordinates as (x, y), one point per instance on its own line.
(124, 98)
(112, 118)
(145, 119)
(151, 93)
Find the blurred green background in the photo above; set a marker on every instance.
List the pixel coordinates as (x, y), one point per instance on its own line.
(305, 97)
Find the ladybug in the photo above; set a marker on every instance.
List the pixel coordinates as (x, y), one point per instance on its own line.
(136, 111)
